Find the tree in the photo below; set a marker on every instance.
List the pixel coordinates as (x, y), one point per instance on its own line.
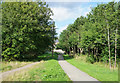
(97, 34)
(117, 10)
(26, 29)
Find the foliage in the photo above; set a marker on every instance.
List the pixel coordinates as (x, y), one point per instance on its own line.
(93, 34)
(27, 29)
(90, 59)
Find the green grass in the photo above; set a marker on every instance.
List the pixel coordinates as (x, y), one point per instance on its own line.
(97, 70)
(47, 70)
(6, 66)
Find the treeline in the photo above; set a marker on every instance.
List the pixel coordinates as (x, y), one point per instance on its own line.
(97, 34)
(27, 30)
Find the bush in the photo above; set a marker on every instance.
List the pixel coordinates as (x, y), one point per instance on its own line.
(10, 54)
(24, 30)
(90, 59)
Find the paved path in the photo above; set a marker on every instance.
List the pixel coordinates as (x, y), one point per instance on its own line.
(59, 51)
(4, 74)
(74, 73)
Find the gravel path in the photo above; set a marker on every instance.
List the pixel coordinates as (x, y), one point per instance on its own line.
(4, 74)
(74, 73)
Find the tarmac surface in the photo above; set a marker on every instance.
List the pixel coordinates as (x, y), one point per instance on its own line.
(74, 73)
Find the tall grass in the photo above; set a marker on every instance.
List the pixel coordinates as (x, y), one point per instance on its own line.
(47, 70)
(6, 66)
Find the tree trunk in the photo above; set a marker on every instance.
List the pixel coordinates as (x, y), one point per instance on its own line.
(52, 50)
(88, 51)
(115, 47)
(94, 52)
(79, 47)
(74, 50)
(69, 51)
(109, 45)
(97, 51)
(81, 50)
(97, 54)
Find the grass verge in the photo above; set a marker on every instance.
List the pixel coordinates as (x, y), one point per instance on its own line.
(47, 70)
(6, 66)
(96, 70)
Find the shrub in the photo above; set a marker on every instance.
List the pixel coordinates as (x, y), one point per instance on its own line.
(90, 59)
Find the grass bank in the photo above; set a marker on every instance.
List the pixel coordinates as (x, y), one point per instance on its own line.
(47, 70)
(6, 66)
(9, 65)
(96, 70)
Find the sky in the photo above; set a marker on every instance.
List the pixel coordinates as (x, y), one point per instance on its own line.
(66, 12)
